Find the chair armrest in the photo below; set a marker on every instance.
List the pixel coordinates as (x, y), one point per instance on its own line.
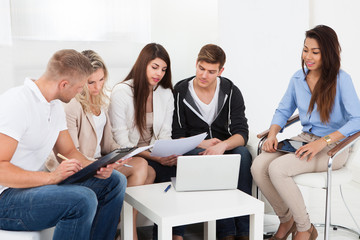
(291, 120)
(347, 142)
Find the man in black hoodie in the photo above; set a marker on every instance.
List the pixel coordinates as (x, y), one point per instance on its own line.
(210, 103)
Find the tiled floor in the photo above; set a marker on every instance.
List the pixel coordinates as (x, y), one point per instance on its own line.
(315, 201)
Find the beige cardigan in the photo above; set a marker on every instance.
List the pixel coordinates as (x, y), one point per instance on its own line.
(82, 131)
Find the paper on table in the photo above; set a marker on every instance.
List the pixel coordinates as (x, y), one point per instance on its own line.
(167, 147)
(136, 151)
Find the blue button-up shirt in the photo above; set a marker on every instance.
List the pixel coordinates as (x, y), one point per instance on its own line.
(345, 115)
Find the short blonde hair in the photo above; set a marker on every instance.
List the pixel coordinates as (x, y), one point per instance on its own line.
(68, 63)
(86, 100)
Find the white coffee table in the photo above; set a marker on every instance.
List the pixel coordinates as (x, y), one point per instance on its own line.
(181, 208)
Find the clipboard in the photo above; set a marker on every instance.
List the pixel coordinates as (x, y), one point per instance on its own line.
(91, 169)
(289, 146)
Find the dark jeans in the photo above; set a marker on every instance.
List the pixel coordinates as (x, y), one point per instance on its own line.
(89, 210)
(163, 173)
(237, 226)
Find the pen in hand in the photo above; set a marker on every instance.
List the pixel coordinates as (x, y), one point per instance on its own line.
(167, 188)
(62, 157)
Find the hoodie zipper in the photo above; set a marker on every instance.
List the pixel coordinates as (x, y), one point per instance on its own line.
(193, 110)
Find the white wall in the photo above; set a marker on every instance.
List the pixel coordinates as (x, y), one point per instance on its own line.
(344, 18)
(5, 51)
(263, 42)
(183, 27)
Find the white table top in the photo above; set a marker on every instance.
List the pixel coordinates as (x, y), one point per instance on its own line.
(178, 208)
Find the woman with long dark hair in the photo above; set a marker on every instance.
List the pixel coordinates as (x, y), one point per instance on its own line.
(329, 110)
(141, 107)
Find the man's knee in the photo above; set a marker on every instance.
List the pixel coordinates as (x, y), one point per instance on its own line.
(246, 158)
(83, 203)
(119, 180)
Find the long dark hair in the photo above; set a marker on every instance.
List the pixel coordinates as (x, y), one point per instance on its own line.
(325, 89)
(141, 85)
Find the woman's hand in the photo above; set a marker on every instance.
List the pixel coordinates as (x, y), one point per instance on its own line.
(270, 145)
(168, 161)
(311, 149)
(120, 163)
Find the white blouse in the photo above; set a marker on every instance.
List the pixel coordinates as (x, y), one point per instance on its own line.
(99, 122)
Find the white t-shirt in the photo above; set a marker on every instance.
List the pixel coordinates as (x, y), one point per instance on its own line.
(208, 111)
(99, 122)
(35, 123)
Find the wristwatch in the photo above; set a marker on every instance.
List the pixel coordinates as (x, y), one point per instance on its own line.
(327, 139)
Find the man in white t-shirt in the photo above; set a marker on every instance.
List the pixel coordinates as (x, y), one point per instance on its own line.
(32, 124)
(208, 102)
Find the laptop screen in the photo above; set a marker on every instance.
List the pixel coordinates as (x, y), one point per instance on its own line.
(207, 172)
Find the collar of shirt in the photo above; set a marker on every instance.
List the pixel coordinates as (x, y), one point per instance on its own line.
(35, 89)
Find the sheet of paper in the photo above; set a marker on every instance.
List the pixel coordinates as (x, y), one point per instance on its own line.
(136, 151)
(167, 147)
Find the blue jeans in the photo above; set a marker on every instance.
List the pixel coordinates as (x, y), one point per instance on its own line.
(88, 210)
(237, 226)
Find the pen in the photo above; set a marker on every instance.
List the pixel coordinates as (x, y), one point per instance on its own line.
(62, 157)
(167, 188)
(125, 165)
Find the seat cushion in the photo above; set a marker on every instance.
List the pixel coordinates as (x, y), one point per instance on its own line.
(318, 180)
(40, 235)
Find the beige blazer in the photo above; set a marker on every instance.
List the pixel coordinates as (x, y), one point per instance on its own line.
(82, 131)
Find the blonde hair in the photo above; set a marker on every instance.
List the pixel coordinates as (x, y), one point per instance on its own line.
(101, 100)
(68, 63)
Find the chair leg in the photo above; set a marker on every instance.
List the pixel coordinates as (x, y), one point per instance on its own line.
(328, 200)
(328, 224)
(357, 226)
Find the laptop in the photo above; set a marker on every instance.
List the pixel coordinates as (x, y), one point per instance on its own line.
(207, 172)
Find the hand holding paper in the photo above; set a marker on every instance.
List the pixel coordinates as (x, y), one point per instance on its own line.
(167, 147)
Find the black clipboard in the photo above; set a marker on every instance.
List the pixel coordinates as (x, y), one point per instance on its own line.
(91, 169)
(289, 146)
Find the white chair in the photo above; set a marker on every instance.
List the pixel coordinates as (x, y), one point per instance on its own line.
(329, 179)
(46, 234)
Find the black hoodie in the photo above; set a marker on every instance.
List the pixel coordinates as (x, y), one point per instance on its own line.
(230, 120)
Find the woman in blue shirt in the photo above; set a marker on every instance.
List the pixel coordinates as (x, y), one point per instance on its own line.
(329, 110)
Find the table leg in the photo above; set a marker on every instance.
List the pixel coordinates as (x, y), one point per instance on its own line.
(127, 221)
(210, 230)
(256, 226)
(164, 232)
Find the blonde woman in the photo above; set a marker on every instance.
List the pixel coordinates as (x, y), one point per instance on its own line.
(89, 125)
